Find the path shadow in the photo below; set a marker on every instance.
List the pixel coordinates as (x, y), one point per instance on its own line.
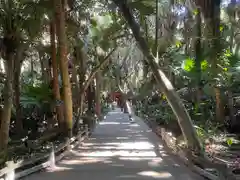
(119, 151)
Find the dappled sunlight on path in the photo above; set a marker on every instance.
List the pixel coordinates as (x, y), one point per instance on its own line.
(119, 149)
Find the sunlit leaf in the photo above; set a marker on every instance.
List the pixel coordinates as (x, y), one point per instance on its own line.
(94, 32)
(178, 44)
(229, 142)
(188, 65)
(221, 28)
(145, 7)
(204, 65)
(93, 22)
(228, 53)
(105, 20)
(164, 97)
(195, 12)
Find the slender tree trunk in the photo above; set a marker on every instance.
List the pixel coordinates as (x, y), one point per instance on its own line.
(19, 125)
(17, 89)
(75, 88)
(85, 84)
(165, 85)
(90, 98)
(211, 12)
(75, 81)
(98, 93)
(219, 106)
(81, 73)
(214, 28)
(198, 59)
(45, 77)
(62, 42)
(232, 6)
(8, 102)
(56, 91)
(231, 105)
(156, 29)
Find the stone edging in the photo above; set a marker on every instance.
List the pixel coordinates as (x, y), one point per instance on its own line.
(171, 142)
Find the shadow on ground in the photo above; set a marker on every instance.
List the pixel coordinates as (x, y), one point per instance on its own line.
(119, 150)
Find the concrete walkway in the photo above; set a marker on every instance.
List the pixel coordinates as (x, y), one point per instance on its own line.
(119, 150)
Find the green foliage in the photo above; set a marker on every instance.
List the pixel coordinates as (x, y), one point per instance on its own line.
(145, 7)
(229, 141)
(202, 134)
(36, 95)
(16, 16)
(103, 31)
(189, 65)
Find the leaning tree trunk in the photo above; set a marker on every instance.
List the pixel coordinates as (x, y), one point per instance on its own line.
(62, 42)
(8, 102)
(85, 84)
(165, 85)
(56, 90)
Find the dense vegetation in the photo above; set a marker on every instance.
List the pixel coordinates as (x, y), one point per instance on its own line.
(59, 59)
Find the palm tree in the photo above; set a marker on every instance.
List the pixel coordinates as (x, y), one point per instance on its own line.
(15, 20)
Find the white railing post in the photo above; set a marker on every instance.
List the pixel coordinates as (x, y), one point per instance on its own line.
(79, 135)
(86, 129)
(10, 175)
(52, 162)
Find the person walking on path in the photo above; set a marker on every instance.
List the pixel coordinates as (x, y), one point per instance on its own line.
(130, 111)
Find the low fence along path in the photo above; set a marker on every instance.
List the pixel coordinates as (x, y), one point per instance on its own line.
(118, 149)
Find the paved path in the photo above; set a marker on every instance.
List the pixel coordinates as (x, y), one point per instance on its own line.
(119, 150)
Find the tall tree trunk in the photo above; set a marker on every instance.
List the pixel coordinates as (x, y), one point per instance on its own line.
(215, 58)
(231, 105)
(98, 93)
(81, 73)
(17, 89)
(232, 15)
(17, 71)
(45, 77)
(90, 98)
(211, 12)
(62, 42)
(165, 85)
(198, 56)
(85, 84)
(75, 88)
(156, 29)
(7, 107)
(56, 91)
(75, 81)
(214, 26)
(232, 12)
